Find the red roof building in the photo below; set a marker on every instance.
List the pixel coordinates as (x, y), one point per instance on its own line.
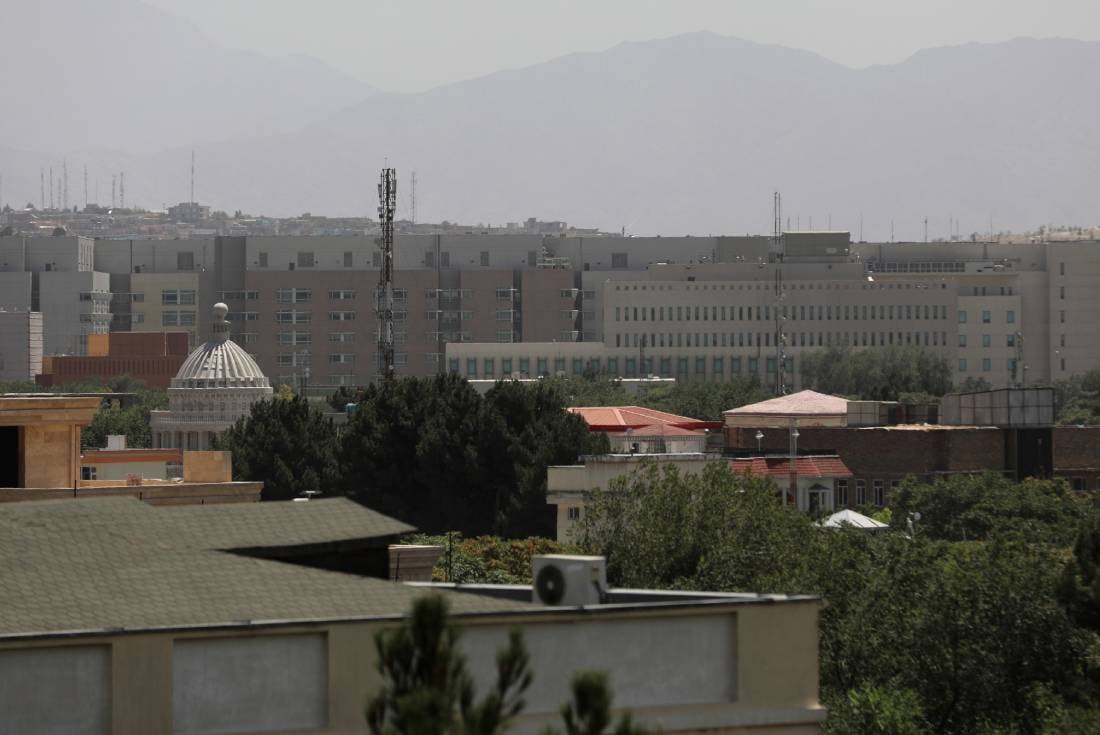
(781, 466)
(808, 407)
(623, 418)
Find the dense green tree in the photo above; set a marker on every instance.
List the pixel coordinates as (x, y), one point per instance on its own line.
(977, 507)
(438, 455)
(287, 444)
(1077, 398)
(589, 711)
(112, 418)
(426, 687)
(947, 636)
(706, 401)
(1080, 586)
(880, 374)
(591, 390)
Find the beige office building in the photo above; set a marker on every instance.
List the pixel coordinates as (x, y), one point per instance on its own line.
(304, 306)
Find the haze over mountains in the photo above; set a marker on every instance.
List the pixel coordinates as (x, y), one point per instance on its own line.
(689, 134)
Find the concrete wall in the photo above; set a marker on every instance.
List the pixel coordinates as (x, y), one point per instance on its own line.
(20, 345)
(750, 668)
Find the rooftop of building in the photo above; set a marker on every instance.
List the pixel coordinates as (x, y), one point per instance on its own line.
(623, 418)
(117, 565)
(803, 403)
(220, 362)
(819, 466)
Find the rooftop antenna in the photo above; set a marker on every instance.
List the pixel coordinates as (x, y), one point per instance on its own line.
(861, 226)
(387, 204)
(114, 182)
(122, 190)
(780, 355)
(412, 198)
(891, 230)
(85, 187)
(64, 184)
(926, 229)
(192, 199)
(51, 187)
(42, 187)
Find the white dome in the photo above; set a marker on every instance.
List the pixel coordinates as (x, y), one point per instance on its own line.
(220, 362)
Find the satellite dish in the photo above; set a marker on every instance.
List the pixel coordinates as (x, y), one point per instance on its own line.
(550, 584)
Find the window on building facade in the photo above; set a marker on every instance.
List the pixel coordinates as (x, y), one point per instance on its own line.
(619, 260)
(489, 367)
(987, 316)
(962, 340)
(861, 492)
(170, 297)
(341, 294)
(987, 340)
(962, 317)
(574, 513)
(962, 364)
(170, 318)
(348, 259)
(879, 488)
(185, 261)
(341, 316)
(525, 366)
(841, 492)
(305, 260)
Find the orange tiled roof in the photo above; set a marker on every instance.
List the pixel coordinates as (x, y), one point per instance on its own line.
(621, 418)
(804, 466)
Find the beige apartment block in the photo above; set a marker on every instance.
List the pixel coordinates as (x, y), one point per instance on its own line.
(20, 345)
(166, 301)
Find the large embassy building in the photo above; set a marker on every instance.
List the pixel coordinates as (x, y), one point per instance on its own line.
(490, 306)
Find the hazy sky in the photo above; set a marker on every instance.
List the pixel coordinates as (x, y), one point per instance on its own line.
(412, 45)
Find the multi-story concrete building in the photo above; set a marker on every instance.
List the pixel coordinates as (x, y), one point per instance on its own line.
(695, 308)
(20, 344)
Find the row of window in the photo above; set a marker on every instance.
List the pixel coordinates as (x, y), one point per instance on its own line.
(987, 340)
(794, 339)
(987, 316)
(173, 297)
(987, 365)
(177, 319)
(803, 312)
(297, 338)
(859, 497)
(665, 366)
(304, 317)
(303, 359)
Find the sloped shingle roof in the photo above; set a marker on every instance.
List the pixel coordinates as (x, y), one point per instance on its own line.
(621, 418)
(110, 564)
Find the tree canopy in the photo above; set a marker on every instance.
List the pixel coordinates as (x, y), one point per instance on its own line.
(288, 444)
(436, 454)
(922, 634)
(880, 374)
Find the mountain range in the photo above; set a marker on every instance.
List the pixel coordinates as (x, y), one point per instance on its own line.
(689, 134)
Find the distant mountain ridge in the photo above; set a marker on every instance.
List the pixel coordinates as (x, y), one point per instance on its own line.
(121, 75)
(691, 134)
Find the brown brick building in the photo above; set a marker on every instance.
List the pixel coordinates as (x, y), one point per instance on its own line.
(153, 357)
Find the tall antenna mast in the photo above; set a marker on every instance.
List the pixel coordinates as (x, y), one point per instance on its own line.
(780, 355)
(412, 199)
(387, 204)
(122, 190)
(85, 187)
(42, 187)
(64, 184)
(114, 183)
(192, 199)
(51, 187)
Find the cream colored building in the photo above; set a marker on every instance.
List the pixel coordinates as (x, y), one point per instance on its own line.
(20, 345)
(165, 301)
(569, 487)
(187, 623)
(215, 386)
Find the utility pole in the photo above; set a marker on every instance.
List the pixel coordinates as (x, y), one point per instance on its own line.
(387, 204)
(42, 187)
(122, 190)
(412, 199)
(85, 187)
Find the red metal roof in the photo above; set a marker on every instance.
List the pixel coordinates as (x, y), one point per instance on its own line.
(621, 418)
(663, 430)
(804, 466)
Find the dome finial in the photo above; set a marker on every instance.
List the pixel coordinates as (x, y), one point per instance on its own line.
(220, 328)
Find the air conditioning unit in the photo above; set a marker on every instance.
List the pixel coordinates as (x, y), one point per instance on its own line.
(561, 580)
